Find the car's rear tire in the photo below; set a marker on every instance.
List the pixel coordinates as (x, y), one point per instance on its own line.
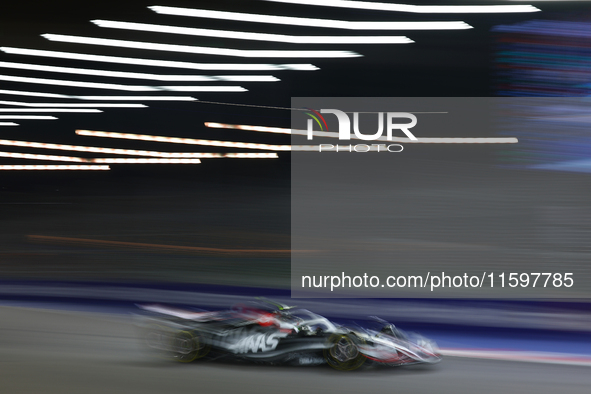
(343, 355)
(188, 346)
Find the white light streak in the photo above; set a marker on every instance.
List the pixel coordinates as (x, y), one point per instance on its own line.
(300, 67)
(29, 156)
(251, 155)
(239, 78)
(55, 167)
(311, 22)
(136, 98)
(21, 110)
(60, 82)
(205, 88)
(199, 50)
(247, 78)
(129, 152)
(189, 161)
(188, 141)
(445, 140)
(420, 9)
(136, 88)
(8, 124)
(106, 98)
(35, 117)
(160, 63)
(240, 35)
(263, 129)
(42, 157)
(121, 74)
(147, 161)
(69, 105)
(33, 94)
(461, 140)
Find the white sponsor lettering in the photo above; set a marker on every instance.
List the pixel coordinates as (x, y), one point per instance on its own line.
(245, 341)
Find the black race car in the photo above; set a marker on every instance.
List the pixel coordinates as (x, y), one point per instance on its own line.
(269, 332)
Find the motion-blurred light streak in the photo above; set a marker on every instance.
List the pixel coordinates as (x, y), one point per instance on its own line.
(160, 63)
(549, 59)
(30, 117)
(146, 161)
(543, 58)
(83, 167)
(15, 155)
(106, 98)
(110, 86)
(204, 155)
(522, 356)
(29, 156)
(135, 98)
(181, 88)
(311, 22)
(70, 105)
(153, 247)
(29, 110)
(8, 124)
(129, 152)
(152, 46)
(241, 35)
(187, 141)
(132, 152)
(419, 9)
(444, 140)
(284, 148)
(93, 85)
(246, 78)
(263, 129)
(134, 75)
(251, 155)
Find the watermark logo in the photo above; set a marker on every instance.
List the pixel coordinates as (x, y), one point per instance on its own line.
(316, 116)
(383, 131)
(345, 125)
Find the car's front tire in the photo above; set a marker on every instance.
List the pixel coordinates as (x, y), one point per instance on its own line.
(343, 354)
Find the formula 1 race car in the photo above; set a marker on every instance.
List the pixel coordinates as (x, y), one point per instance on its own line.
(265, 331)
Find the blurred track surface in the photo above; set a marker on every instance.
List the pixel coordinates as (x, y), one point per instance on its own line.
(45, 351)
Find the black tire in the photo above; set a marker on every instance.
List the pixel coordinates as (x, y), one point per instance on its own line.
(343, 355)
(188, 346)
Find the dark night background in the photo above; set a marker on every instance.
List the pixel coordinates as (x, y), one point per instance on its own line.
(228, 203)
(208, 234)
